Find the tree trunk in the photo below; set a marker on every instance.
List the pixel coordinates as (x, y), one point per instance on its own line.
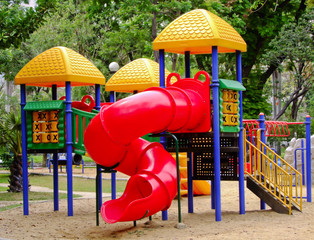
(154, 31)
(174, 62)
(44, 162)
(294, 109)
(16, 175)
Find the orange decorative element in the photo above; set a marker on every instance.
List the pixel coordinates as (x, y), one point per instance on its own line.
(137, 75)
(197, 31)
(57, 66)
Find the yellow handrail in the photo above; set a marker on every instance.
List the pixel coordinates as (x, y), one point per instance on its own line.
(276, 179)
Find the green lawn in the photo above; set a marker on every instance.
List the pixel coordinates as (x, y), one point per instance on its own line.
(38, 158)
(79, 184)
(33, 196)
(4, 178)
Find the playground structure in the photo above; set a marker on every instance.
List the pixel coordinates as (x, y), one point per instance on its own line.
(213, 138)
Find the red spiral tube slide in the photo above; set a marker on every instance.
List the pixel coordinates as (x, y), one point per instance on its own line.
(113, 137)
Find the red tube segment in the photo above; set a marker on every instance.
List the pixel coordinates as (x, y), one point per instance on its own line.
(113, 137)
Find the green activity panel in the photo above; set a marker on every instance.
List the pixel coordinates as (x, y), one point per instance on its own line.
(45, 124)
(229, 105)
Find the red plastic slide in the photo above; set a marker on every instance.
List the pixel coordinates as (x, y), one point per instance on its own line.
(113, 137)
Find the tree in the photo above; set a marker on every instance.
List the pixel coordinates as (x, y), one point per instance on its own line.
(10, 139)
(295, 42)
(19, 22)
(258, 22)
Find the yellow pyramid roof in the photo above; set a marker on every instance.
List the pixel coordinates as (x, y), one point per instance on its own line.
(197, 31)
(137, 75)
(57, 66)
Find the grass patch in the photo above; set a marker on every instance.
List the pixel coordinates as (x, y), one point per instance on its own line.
(10, 207)
(3, 189)
(79, 184)
(33, 196)
(38, 158)
(4, 178)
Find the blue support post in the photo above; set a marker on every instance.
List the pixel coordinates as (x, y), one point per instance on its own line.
(113, 174)
(212, 186)
(55, 182)
(24, 151)
(97, 97)
(308, 158)
(162, 84)
(261, 121)
(55, 164)
(69, 143)
(215, 86)
(162, 68)
(189, 155)
(241, 160)
(97, 107)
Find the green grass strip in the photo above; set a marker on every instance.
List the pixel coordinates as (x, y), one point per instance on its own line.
(79, 184)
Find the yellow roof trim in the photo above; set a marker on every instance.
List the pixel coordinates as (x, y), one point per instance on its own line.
(137, 75)
(197, 31)
(58, 65)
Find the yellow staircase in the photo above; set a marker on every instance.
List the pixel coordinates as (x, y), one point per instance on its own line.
(278, 186)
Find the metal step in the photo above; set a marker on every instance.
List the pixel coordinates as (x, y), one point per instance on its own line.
(266, 196)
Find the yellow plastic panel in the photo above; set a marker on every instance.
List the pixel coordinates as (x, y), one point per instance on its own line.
(226, 119)
(54, 137)
(137, 75)
(197, 31)
(45, 137)
(57, 66)
(36, 137)
(36, 126)
(54, 126)
(227, 107)
(234, 120)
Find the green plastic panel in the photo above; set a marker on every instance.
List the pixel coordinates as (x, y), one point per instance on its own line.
(231, 84)
(80, 121)
(44, 105)
(151, 139)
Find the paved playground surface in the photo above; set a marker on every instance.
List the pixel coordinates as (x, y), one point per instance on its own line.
(44, 223)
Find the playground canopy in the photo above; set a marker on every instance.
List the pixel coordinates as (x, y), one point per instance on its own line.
(137, 75)
(58, 65)
(197, 31)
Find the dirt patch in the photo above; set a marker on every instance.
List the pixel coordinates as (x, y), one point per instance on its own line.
(44, 223)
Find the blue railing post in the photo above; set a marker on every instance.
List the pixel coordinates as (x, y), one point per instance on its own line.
(113, 174)
(24, 151)
(69, 143)
(308, 158)
(261, 121)
(302, 163)
(189, 155)
(55, 164)
(241, 154)
(215, 86)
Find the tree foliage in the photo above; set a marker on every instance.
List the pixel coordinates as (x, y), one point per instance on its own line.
(18, 22)
(258, 22)
(295, 42)
(10, 139)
